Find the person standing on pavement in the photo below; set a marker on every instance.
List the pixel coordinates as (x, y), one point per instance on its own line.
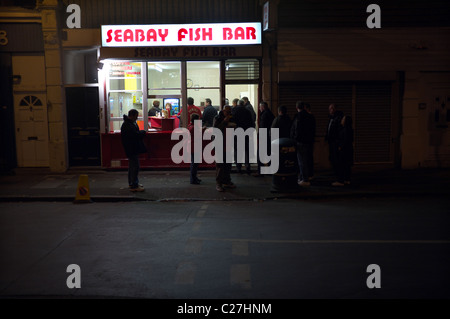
(209, 113)
(223, 170)
(331, 136)
(282, 122)
(243, 119)
(311, 159)
(345, 151)
(194, 166)
(303, 131)
(133, 144)
(266, 118)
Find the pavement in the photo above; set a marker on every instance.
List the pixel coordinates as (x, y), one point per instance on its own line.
(40, 184)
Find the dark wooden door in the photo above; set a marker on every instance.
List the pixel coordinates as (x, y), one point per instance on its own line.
(83, 126)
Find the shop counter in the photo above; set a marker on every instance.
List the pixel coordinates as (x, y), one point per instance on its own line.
(161, 123)
(159, 147)
(164, 124)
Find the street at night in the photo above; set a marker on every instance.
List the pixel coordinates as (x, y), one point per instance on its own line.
(205, 154)
(278, 249)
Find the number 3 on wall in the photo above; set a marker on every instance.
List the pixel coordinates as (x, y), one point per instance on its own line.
(3, 37)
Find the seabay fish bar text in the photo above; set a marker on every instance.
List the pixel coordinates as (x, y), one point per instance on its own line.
(181, 34)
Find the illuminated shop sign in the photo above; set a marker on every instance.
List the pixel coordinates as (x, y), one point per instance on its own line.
(181, 34)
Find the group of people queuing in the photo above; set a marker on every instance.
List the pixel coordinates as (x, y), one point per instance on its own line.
(302, 129)
(241, 114)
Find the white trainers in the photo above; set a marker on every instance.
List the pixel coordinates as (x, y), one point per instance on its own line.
(303, 183)
(337, 184)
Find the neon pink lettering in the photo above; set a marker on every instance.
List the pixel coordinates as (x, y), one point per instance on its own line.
(227, 34)
(127, 35)
(182, 34)
(162, 34)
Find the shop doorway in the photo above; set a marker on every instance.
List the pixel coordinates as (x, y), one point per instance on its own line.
(83, 125)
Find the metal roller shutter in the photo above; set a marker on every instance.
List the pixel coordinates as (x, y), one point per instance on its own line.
(372, 123)
(319, 96)
(368, 103)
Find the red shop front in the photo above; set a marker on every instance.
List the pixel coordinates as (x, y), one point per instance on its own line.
(142, 72)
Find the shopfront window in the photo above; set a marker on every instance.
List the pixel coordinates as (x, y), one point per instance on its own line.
(241, 80)
(203, 81)
(124, 92)
(137, 85)
(238, 91)
(164, 84)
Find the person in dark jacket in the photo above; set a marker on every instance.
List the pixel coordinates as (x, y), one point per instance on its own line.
(331, 135)
(345, 151)
(282, 122)
(209, 113)
(243, 118)
(303, 132)
(311, 158)
(155, 109)
(133, 144)
(223, 170)
(194, 166)
(249, 107)
(266, 118)
(234, 104)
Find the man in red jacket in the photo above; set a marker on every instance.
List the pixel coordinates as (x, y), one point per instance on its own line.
(192, 109)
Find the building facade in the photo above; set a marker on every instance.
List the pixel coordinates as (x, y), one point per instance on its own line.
(393, 80)
(65, 91)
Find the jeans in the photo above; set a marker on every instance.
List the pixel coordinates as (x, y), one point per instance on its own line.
(133, 170)
(223, 171)
(311, 161)
(269, 152)
(246, 156)
(194, 169)
(334, 157)
(345, 163)
(304, 157)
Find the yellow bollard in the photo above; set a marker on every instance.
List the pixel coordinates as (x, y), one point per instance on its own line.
(83, 195)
